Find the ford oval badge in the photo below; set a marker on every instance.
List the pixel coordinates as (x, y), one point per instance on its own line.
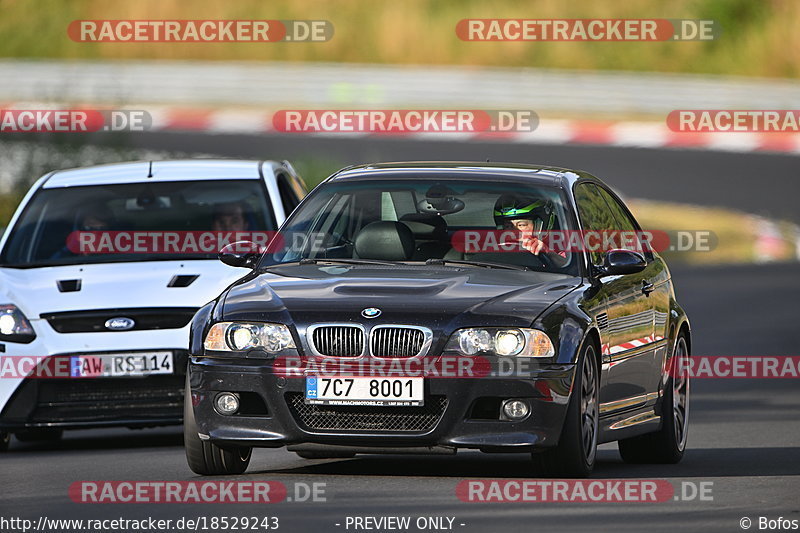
(120, 323)
(371, 312)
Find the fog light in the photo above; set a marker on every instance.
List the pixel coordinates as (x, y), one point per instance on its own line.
(516, 409)
(226, 403)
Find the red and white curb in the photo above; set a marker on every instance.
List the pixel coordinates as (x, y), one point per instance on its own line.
(633, 134)
(549, 131)
(773, 244)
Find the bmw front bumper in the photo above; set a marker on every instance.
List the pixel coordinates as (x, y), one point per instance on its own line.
(457, 413)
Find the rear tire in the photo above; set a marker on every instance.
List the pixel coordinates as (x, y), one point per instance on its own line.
(577, 448)
(39, 435)
(5, 439)
(204, 457)
(667, 445)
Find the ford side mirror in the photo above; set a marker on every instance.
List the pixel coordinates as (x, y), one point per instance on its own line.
(243, 254)
(620, 262)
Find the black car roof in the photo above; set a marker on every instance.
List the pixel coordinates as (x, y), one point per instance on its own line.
(547, 175)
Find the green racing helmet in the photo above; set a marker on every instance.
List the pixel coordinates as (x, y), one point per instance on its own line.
(513, 207)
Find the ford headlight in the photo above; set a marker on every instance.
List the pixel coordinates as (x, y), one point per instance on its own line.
(519, 342)
(14, 325)
(241, 336)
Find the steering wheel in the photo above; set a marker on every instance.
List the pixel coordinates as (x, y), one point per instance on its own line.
(543, 260)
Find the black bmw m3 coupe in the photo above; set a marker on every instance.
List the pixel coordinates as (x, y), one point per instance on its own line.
(430, 307)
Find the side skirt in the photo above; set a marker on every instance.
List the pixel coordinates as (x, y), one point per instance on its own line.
(629, 424)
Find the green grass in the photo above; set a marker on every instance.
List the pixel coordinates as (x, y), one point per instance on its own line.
(315, 170)
(758, 37)
(736, 232)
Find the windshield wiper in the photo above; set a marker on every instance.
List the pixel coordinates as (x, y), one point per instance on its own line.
(348, 261)
(485, 264)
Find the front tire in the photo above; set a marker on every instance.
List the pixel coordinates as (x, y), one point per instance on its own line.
(5, 440)
(577, 448)
(204, 457)
(667, 445)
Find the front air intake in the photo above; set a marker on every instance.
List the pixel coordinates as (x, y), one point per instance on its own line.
(337, 340)
(398, 341)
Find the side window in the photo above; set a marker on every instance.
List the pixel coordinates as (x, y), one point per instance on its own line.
(625, 221)
(289, 199)
(337, 220)
(395, 204)
(388, 211)
(594, 214)
(333, 221)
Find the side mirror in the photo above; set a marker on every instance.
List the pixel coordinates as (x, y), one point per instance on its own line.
(620, 262)
(243, 254)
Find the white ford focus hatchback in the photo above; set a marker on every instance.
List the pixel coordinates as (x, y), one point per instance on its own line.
(101, 271)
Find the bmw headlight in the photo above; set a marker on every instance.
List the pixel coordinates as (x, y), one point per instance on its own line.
(14, 325)
(520, 342)
(241, 336)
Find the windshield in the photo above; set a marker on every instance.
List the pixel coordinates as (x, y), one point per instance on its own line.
(463, 222)
(137, 222)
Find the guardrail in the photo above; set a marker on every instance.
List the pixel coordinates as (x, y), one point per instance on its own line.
(329, 85)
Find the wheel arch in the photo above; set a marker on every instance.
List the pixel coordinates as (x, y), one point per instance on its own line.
(686, 330)
(593, 335)
(679, 325)
(568, 326)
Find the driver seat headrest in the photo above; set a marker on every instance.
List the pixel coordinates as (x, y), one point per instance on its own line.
(385, 240)
(425, 226)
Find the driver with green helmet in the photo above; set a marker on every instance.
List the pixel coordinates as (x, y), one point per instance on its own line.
(529, 215)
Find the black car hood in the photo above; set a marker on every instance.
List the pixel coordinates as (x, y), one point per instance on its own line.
(442, 298)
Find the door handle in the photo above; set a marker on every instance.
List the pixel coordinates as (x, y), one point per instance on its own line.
(647, 288)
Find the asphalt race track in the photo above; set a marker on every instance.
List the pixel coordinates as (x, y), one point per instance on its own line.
(752, 182)
(744, 434)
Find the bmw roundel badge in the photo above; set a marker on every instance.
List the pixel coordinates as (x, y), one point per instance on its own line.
(371, 312)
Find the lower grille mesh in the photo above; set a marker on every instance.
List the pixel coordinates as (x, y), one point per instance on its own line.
(367, 418)
(109, 398)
